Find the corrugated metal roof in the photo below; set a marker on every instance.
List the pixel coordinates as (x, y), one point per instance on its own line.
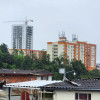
(31, 84)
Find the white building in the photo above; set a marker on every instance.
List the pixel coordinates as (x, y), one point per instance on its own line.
(22, 36)
(72, 90)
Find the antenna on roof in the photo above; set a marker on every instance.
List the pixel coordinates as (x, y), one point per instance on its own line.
(62, 36)
(74, 37)
(59, 34)
(77, 37)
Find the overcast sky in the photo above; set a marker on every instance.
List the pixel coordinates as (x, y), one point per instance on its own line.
(81, 17)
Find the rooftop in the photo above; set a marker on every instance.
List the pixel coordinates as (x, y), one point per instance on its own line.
(37, 72)
(31, 84)
(87, 84)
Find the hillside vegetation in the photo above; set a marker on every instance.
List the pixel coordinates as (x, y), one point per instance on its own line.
(19, 61)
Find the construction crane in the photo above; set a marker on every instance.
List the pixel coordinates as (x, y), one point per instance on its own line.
(26, 21)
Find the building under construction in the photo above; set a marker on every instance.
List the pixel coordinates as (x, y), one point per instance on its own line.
(22, 36)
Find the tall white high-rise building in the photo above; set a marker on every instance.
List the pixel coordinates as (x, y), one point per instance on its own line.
(22, 36)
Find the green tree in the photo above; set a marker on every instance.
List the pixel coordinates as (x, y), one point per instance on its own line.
(1, 55)
(4, 48)
(5, 65)
(79, 68)
(13, 67)
(27, 63)
(7, 58)
(45, 58)
(94, 73)
(21, 52)
(15, 52)
(18, 61)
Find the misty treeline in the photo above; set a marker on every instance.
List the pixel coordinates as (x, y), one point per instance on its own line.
(18, 60)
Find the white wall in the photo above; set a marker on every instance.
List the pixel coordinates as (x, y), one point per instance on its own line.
(60, 50)
(95, 96)
(70, 95)
(49, 50)
(50, 78)
(64, 95)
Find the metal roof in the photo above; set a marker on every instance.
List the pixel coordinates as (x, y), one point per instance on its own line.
(31, 84)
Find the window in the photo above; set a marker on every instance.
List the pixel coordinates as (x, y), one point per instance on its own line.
(82, 96)
(55, 48)
(68, 46)
(44, 77)
(55, 45)
(55, 55)
(55, 52)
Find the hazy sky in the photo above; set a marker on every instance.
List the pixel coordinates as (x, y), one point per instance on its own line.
(81, 17)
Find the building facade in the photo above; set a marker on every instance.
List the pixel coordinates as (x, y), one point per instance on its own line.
(22, 37)
(73, 50)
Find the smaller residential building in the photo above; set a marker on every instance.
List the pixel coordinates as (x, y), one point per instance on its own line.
(14, 76)
(72, 90)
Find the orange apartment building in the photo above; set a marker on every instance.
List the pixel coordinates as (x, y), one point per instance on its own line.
(37, 53)
(73, 50)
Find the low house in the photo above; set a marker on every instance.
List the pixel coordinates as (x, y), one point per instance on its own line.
(88, 89)
(85, 89)
(13, 76)
(72, 90)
